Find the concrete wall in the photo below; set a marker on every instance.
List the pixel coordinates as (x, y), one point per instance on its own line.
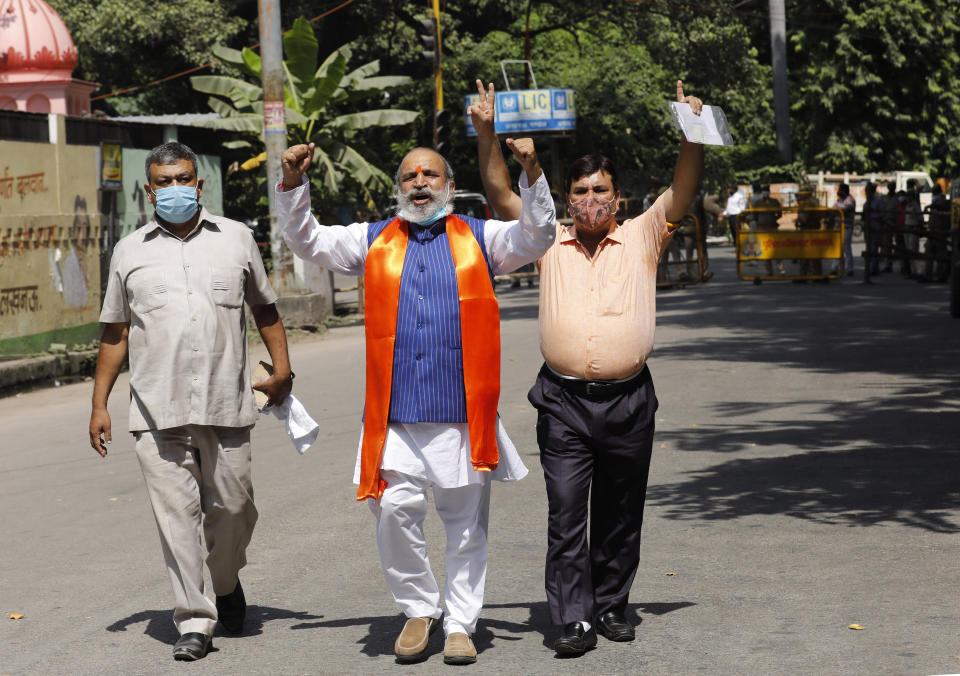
(49, 231)
(51, 237)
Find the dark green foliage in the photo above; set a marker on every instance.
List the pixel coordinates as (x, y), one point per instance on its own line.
(872, 84)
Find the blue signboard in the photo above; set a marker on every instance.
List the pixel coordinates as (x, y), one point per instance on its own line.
(529, 110)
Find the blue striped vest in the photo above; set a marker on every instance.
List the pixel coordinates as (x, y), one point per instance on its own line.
(427, 381)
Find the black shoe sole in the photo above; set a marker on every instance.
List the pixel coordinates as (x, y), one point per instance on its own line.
(459, 660)
(187, 657)
(411, 659)
(568, 650)
(185, 654)
(571, 651)
(618, 637)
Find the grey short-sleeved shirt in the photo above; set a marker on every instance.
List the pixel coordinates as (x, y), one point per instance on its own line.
(183, 300)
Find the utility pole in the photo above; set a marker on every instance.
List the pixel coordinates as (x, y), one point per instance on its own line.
(437, 73)
(274, 132)
(778, 55)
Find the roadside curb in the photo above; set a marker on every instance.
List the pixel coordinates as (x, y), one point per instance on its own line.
(45, 370)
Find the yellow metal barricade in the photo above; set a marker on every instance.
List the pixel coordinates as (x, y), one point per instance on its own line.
(682, 260)
(796, 242)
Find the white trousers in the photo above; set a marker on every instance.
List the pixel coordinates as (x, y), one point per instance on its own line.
(198, 479)
(465, 513)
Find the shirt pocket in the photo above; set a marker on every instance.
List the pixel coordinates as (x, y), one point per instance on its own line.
(147, 290)
(226, 286)
(612, 293)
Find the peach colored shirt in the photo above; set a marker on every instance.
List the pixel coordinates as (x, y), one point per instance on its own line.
(598, 316)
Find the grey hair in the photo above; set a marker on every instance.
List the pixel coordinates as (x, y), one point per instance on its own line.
(447, 168)
(169, 153)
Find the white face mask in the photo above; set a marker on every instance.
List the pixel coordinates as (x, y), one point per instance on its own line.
(591, 212)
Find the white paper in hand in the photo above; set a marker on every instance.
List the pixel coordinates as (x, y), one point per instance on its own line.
(708, 128)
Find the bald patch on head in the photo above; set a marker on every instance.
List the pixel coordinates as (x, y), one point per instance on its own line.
(423, 157)
(426, 159)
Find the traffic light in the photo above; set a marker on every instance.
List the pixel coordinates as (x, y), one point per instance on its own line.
(429, 38)
(441, 134)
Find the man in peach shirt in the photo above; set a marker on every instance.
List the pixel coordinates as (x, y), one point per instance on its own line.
(594, 394)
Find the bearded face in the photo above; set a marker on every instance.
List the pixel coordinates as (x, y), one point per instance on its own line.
(421, 204)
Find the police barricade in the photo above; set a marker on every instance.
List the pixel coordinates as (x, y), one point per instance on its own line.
(896, 237)
(528, 273)
(802, 242)
(682, 261)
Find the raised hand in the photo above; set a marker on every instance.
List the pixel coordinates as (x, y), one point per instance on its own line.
(294, 161)
(482, 111)
(526, 154)
(696, 105)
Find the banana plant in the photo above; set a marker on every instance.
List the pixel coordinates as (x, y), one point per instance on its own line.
(316, 97)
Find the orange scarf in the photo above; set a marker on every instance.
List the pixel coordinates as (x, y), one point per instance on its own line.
(479, 338)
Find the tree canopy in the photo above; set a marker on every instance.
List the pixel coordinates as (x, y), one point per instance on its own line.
(872, 86)
(321, 102)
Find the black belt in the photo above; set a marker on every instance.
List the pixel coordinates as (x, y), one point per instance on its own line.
(599, 389)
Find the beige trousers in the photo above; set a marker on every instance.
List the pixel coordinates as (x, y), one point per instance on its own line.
(198, 479)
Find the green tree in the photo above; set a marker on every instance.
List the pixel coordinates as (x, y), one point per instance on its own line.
(127, 43)
(622, 61)
(321, 107)
(874, 85)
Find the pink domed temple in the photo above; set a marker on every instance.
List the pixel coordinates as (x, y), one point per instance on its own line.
(37, 58)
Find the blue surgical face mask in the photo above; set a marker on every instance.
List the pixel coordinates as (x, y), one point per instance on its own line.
(440, 213)
(177, 203)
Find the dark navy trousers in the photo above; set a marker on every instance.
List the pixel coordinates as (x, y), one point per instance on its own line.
(595, 453)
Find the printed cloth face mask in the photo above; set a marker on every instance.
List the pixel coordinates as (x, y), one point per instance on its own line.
(177, 203)
(591, 211)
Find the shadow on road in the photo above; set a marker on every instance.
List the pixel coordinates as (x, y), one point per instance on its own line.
(381, 635)
(859, 487)
(881, 451)
(899, 328)
(160, 622)
(540, 622)
(383, 630)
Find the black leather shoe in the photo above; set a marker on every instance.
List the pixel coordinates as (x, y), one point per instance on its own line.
(615, 627)
(232, 610)
(192, 646)
(575, 640)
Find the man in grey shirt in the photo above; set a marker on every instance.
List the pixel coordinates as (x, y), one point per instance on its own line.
(175, 297)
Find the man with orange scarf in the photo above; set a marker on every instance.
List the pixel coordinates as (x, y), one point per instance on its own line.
(432, 374)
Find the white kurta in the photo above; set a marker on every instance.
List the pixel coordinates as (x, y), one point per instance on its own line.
(436, 452)
(440, 453)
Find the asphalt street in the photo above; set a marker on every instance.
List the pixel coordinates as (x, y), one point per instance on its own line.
(804, 479)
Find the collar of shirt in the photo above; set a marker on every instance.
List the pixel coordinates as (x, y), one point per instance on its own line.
(425, 234)
(152, 226)
(568, 235)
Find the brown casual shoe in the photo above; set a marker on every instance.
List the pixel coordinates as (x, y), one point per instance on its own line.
(412, 642)
(459, 649)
